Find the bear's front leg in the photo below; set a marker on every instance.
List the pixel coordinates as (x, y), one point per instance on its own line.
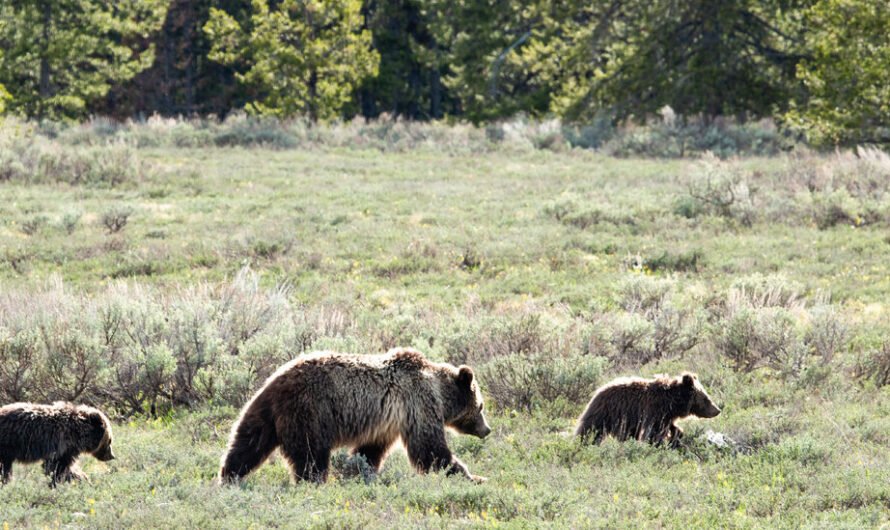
(251, 442)
(308, 456)
(428, 451)
(62, 469)
(675, 434)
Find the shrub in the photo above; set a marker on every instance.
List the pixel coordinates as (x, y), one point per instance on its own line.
(755, 337)
(70, 221)
(72, 364)
(524, 382)
(30, 158)
(569, 210)
(255, 131)
(136, 349)
(675, 136)
(32, 225)
(18, 259)
(416, 259)
(115, 218)
(762, 322)
(652, 324)
(689, 207)
(850, 187)
(720, 188)
(470, 259)
(758, 290)
(631, 338)
(19, 352)
(479, 340)
(270, 249)
(668, 138)
(874, 365)
(828, 332)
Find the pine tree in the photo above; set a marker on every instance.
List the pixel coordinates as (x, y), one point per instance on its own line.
(409, 82)
(710, 57)
(491, 52)
(302, 57)
(181, 80)
(62, 55)
(848, 75)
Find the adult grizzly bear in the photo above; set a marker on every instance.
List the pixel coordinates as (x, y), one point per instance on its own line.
(56, 434)
(645, 409)
(325, 400)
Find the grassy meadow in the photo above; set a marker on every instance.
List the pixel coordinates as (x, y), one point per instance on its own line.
(163, 281)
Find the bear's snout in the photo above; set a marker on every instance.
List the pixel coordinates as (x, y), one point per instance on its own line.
(483, 430)
(711, 411)
(105, 455)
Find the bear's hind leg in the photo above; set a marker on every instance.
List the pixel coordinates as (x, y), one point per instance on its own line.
(5, 470)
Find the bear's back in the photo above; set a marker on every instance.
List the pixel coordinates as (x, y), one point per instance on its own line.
(31, 431)
(355, 396)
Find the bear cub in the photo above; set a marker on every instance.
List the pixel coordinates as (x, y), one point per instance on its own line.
(57, 434)
(325, 400)
(645, 409)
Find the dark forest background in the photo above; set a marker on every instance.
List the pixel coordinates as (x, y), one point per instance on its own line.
(817, 66)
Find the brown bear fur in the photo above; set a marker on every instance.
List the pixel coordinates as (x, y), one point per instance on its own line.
(56, 434)
(645, 409)
(325, 400)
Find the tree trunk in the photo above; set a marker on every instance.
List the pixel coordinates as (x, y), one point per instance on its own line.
(313, 96)
(435, 94)
(45, 73)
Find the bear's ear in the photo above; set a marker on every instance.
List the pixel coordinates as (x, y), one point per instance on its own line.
(688, 379)
(96, 421)
(465, 375)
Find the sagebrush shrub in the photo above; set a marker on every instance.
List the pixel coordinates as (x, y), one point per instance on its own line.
(721, 188)
(522, 382)
(676, 138)
(848, 188)
(653, 323)
(479, 340)
(70, 221)
(72, 365)
(32, 225)
(30, 158)
(874, 365)
(828, 332)
(763, 322)
(19, 353)
(116, 218)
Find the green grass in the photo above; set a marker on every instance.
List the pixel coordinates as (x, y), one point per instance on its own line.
(314, 217)
(419, 247)
(822, 474)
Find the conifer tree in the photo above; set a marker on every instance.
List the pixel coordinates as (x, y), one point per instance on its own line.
(61, 55)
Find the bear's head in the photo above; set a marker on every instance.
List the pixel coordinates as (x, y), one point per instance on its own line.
(464, 411)
(100, 436)
(700, 403)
